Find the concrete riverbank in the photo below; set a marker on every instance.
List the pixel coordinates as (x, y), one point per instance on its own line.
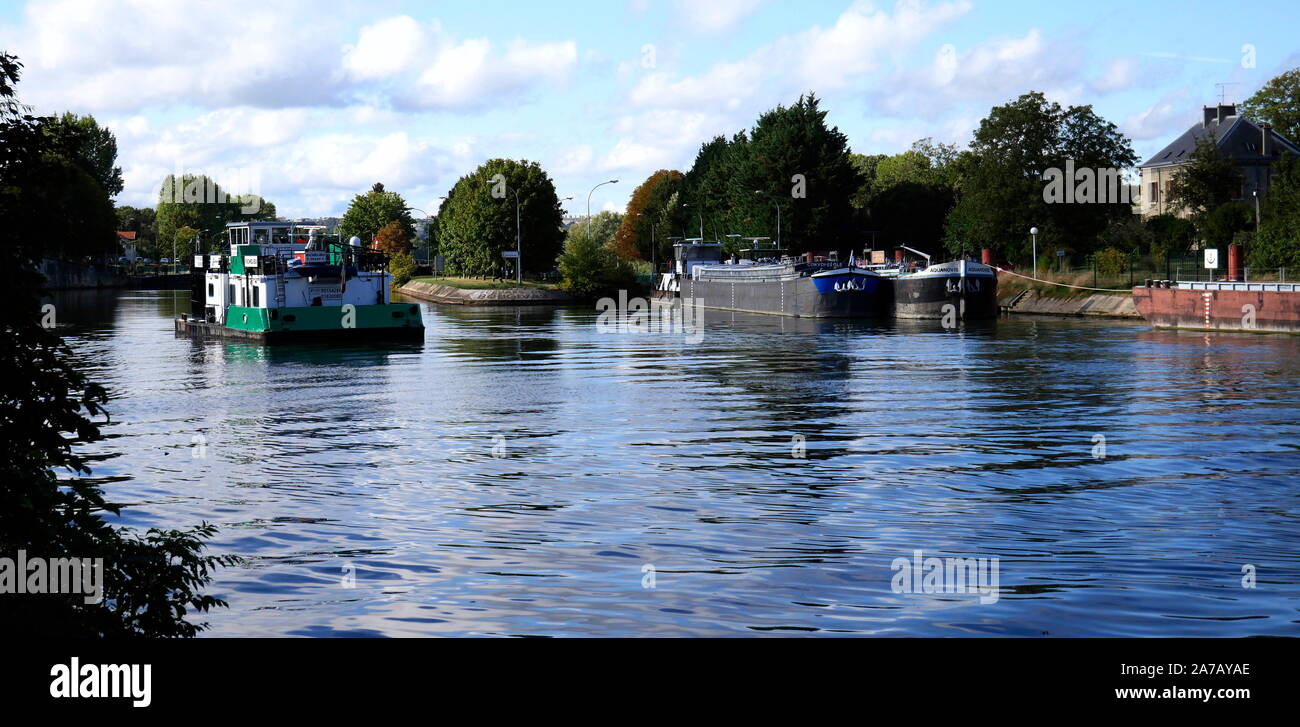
(62, 275)
(1103, 305)
(482, 296)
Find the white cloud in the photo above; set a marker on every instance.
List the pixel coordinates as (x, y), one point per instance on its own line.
(673, 114)
(818, 59)
(126, 57)
(1168, 116)
(1120, 75)
(714, 16)
(661, 139)
(386, 48)
(575, 161)
(425, 67)
(726, 85)
(989, 73)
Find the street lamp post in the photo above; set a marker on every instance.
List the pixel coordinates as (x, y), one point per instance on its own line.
(427, 216)
(519, 243)
(653, 241)
(593, 189)
(700, 211)
(1255, 194)
(778, 214)
(1033, 231)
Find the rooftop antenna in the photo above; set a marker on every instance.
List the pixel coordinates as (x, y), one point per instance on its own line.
(1223, 88)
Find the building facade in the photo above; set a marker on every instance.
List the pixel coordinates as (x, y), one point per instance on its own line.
(1252, 147)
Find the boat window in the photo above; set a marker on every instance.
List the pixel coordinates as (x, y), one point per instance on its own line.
(210, 290)
(230, 294)
(259, 236)
(255, 295)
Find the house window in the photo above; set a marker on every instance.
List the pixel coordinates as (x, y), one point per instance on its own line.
(1155, 193)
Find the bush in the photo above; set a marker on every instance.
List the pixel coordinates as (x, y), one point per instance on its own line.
(1220, 226)
(1126, 233)
(1112, 261)
(590, 269)
(1170, 233)
(402, 268)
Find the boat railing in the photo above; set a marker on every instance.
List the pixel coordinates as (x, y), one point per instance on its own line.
(1236, 285)
(746, 273)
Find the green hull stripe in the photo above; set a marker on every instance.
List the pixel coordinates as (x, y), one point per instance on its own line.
(323, 318)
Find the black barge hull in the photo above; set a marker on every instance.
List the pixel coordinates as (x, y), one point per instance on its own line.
(936, 297)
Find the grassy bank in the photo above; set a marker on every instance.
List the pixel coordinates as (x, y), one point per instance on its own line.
(487, 284)
(1011, 284)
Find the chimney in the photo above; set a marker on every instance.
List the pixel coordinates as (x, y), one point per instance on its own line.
(1226, 110)
(1265, 145)
(1211, 114)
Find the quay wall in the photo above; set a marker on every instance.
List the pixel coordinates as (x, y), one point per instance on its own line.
(1104, 305)
(505, 296)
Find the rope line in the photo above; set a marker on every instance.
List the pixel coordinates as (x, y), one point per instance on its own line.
(1063, 285)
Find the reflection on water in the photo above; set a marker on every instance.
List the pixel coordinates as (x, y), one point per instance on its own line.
(520, 472)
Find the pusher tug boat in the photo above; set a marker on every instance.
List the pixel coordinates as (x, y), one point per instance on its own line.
(286, 282)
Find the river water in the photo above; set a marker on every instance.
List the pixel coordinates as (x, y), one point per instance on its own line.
(526, 471)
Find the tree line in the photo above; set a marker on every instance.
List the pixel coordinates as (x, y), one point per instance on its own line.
(56, 178)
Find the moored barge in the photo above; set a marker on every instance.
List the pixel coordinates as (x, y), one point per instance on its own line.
(820, 288)
(777, 284)
(959, 289)
(1220, 305)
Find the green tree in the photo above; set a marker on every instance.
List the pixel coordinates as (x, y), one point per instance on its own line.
(476, 223)
(647, 213)
(254, 207)
(1278, 242)
(1278, 103)
(1209, 179)
(806, 167)
(1000, 179)
(81, 223)
(195, 201)
(602, 227)
(82, 141)
(698, 195)
(1220, 226)
(866, 165)
(789, 160)
(1170, 234)
(589, 267)
(48, 409)
(369, 212)
(910, 196)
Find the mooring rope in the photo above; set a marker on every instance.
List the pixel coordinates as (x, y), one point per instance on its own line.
(1064, 285)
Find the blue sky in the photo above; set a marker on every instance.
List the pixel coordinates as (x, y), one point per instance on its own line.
(310, 104)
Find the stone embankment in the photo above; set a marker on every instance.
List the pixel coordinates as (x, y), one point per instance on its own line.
(503, 296)
(1104, 305)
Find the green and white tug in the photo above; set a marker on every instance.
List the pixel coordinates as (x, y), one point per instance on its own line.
(287, 282)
